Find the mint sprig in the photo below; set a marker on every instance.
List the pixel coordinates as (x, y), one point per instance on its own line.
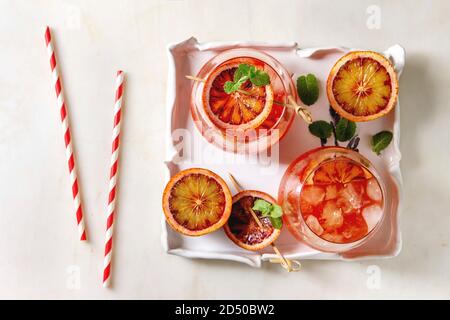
(243, 73)
(231, 86)
(272, 211)
(342, 129)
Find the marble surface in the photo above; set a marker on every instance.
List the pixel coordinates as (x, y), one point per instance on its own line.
(40, 256)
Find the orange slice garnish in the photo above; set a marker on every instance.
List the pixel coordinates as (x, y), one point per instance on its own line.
(338, 171)
(243, 229)
(196, 202)
(362, 86)
(244, 109)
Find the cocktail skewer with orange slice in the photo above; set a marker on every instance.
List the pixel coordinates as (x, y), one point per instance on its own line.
(266, 233)
(197, 201)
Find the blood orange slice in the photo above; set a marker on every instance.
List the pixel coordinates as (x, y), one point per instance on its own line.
(243, 109)
(362, 86)
(338, 171)
(242, 228)
(196, 202)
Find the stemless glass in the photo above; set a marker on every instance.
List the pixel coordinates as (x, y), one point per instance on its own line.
(252, 140)
(332, 198)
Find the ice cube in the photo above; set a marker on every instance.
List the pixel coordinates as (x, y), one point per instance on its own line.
(333, 237)
(373, 190)
(314, 224)
(349, 198)
(372, 215)
(332, 216)
(331, 192)
(347, 233)
(345, 206)
(312, 194)
(354, 232)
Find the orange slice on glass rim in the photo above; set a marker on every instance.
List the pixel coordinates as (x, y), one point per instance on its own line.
(242, 228)
(244, 109)
(196, 202)
(338, 171)
(362, 86)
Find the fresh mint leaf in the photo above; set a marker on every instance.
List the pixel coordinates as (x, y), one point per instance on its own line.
(273, 211)
(321, 129)
(308, 89)
(252, 71)
(262, 206)
(243, 70)
(345, 129)
(381, 141)
(228, 87)
(276, 212)
(260, 78)
(243, 73)
(277, 223)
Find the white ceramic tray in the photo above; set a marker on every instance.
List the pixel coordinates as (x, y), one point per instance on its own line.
(186, 58)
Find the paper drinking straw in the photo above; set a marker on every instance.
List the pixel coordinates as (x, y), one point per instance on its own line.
(112, 180)
(67, 137)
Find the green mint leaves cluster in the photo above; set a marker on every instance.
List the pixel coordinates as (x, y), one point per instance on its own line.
(243, 73)
(272, 211)
(308, 89)
(345, 130)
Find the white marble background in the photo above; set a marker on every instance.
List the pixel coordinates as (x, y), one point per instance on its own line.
(40, 256)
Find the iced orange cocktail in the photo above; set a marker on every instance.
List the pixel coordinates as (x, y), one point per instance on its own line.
(332, 199)
(252, 117)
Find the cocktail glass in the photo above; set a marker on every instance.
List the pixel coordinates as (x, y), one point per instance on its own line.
(332, 198)
(248, 140)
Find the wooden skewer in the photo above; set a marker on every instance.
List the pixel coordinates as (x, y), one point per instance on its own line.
(239, 188)
(195, 78)
(289, 265)
(302, 111)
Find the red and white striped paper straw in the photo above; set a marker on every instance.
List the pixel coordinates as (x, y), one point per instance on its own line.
(113, 180)
(67, 136)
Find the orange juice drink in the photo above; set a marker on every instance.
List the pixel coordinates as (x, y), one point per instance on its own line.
(332, 198)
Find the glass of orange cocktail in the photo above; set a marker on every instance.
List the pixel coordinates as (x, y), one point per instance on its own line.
(332, 198)
(253, 117)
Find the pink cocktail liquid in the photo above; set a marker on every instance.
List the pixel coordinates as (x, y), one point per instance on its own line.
(331, 199)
